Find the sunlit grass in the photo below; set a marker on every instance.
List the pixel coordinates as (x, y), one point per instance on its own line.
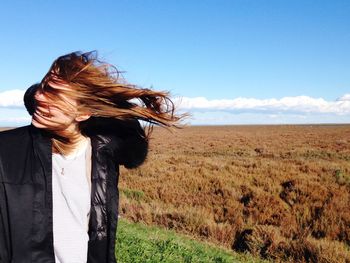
(280, 192)
(140, 243)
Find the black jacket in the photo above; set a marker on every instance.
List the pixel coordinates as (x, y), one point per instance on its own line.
(26, 232)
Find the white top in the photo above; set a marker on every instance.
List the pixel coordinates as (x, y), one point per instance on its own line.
(71, 206)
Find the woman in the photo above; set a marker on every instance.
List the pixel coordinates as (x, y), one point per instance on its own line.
(59, 176)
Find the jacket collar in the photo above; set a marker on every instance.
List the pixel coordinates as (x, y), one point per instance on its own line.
(42, 146)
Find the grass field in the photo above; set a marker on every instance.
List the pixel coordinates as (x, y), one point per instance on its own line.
(278, 192)
(138, 243)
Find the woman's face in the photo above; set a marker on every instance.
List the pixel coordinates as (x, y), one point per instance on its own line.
(51, 115)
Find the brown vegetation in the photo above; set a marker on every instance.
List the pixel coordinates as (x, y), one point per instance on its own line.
(280, 192)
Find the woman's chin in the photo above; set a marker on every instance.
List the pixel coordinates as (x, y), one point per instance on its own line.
(37, 124)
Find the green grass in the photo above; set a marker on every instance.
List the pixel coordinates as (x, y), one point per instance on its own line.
(140, 243)
(132, 194)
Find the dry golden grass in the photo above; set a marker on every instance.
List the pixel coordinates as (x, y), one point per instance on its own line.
(280, 192)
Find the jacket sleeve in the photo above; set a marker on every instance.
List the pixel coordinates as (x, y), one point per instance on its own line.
(4, 235)
(3, 244)
(129, 142)
(133, 145)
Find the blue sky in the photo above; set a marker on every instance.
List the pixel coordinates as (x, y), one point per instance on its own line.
(231, 62)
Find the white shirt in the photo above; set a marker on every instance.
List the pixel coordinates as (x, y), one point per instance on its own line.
(71, 206)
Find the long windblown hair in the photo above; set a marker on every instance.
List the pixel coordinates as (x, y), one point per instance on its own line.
(101, 91)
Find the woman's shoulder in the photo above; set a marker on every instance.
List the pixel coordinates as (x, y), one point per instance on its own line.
(15, 145)
(126, 139)
(13, 142)
(14, 133)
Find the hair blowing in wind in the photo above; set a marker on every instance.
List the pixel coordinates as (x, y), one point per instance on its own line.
(102, 92)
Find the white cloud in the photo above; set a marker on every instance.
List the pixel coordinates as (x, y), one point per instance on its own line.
(16, 119)
(11, 98)
(298, 104)
(246, 118)
(345, 97)
(299, 109)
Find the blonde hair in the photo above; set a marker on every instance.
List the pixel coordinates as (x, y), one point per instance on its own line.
(100, 91)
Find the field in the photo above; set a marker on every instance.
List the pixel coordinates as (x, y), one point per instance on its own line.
(278, 192)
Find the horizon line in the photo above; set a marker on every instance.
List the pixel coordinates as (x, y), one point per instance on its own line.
(250, 124)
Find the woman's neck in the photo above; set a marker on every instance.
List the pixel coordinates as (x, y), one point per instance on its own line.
(76, 142)
(68, 143)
